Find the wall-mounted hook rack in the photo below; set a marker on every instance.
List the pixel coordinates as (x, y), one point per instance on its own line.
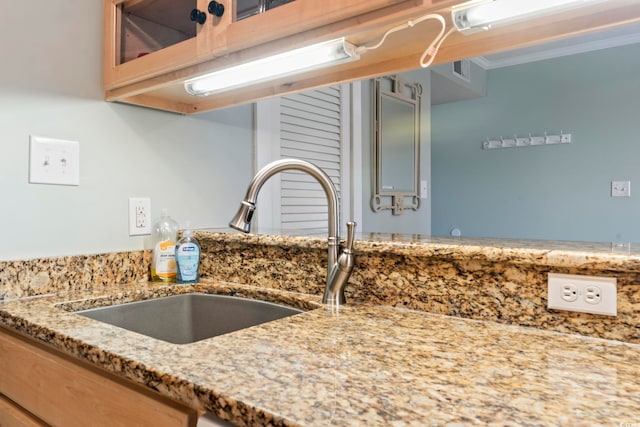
(527, 141)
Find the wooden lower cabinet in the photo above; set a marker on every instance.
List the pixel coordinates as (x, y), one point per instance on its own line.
(41, 386)
(13, 415)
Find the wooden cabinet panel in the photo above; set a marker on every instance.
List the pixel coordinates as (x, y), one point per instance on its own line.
(12, 415)
(64, 392)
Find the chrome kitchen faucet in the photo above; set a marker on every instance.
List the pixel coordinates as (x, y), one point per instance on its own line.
(340, 265)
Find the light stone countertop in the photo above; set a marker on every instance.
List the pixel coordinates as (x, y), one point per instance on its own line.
(619, 256)
(361, 365)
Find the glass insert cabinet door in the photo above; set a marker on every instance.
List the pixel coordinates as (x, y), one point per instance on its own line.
(146, 26)
(396, 145)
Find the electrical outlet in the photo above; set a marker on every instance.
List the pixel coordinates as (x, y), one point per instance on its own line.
(569, 292)
(139, 216)
(593, 294)
(620, 188)
(586, 294)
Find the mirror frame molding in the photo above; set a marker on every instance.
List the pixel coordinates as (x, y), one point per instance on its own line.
(379, 195)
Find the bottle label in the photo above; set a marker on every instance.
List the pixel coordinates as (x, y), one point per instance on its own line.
(164, 260)
(188, 257)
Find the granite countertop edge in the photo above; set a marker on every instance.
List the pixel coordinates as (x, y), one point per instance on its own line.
(621, 257)
(387, 363)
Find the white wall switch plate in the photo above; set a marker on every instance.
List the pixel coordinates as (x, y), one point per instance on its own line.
(54, 161)
(586, 294)
(139, 216)
(620, 188)
(424, 189)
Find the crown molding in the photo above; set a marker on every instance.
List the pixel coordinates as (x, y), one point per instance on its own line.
(556, 52)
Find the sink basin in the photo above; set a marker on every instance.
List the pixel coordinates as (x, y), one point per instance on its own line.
(187, 318)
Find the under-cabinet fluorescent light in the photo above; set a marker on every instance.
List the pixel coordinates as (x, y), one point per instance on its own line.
(284, 64)
(482, 14)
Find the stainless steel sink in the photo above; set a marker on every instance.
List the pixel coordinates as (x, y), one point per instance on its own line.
(187, 318)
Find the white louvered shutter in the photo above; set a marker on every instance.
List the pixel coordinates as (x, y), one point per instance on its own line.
(314, 126)
(310, 129)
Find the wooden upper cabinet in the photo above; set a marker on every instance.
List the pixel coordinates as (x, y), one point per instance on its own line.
(146, 38)
(152, 46)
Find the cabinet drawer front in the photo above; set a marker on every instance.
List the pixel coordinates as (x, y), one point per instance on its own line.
(12, 415)
(63, 393)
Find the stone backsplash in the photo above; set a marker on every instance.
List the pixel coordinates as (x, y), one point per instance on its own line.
(486, 279)
(41, 276)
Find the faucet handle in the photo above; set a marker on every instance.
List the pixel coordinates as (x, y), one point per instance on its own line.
(351, 227)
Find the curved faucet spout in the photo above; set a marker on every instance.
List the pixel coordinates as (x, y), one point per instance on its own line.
(242, 220)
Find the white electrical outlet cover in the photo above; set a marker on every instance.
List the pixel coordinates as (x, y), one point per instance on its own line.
(139, 216)
(593, 294)
(620, 188)
(54, 161)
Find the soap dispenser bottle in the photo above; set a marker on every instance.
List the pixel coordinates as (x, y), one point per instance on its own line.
(188, 257)
(163, 264)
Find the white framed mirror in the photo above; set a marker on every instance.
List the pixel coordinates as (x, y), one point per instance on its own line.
(396, 145)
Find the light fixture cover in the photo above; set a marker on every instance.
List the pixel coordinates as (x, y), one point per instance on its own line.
(483, 14)
(283, 64)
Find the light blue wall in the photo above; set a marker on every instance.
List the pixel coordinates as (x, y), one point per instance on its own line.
(410, 222)
(547, 192)
(51, 85)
